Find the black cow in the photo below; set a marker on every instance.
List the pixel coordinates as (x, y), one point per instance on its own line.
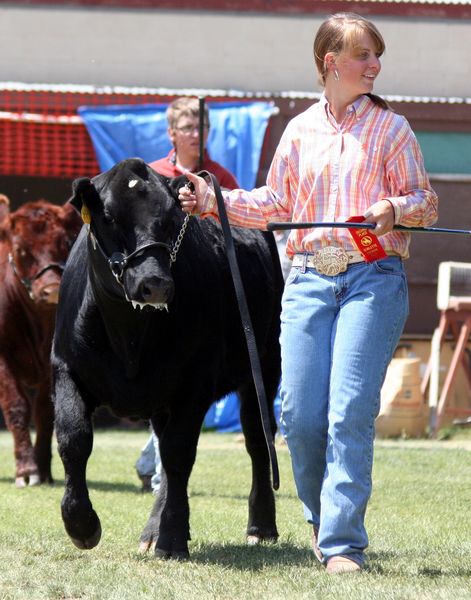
(148, 324)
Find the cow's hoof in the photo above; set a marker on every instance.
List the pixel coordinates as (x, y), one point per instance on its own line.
(46, 478)
(28, 480)
(147, 545)
(255, 540)
(171, 554)
(90, 542)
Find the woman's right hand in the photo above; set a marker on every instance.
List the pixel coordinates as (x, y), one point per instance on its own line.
(192, 201)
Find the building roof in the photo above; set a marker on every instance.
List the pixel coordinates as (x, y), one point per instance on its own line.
(15, 86)
(424, 8)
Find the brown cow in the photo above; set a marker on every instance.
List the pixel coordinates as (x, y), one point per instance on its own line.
(34, 243)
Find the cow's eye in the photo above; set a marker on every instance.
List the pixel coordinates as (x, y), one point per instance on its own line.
(23, 256)
(108, 219)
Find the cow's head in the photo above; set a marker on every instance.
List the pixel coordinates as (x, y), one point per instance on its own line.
(135, 222)
(41, 235)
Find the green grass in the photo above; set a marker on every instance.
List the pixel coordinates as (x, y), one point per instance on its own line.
(418, 521)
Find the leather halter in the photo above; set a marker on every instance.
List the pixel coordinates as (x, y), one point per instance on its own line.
(28, 281)
(247, 327)
(118, 261)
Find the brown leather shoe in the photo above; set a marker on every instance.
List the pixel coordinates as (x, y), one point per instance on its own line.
(317, 553)
(342, 564)
(146, 481)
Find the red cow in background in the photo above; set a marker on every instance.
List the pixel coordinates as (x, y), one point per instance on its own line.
(35, 241)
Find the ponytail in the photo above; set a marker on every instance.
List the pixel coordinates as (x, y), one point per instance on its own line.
(381, 102)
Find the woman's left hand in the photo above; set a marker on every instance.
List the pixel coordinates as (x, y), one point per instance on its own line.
(381, 213)
(192, 201)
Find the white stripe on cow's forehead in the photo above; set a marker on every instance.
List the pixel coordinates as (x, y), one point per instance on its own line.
(132, 183)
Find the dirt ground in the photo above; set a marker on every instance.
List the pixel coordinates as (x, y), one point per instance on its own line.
(464, 444)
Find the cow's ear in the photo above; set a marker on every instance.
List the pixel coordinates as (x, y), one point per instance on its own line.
(175, 183)
(4, 207)
(71, 219)
(84, 197)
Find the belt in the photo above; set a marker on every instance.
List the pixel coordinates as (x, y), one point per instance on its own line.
(330, 260)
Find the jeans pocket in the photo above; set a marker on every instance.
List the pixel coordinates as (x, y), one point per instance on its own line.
(389, 266)
(292, 275)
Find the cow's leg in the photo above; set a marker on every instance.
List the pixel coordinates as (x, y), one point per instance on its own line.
(262, 517)
(43, 415)
(75, 439)
(17, 413)
(168, 527)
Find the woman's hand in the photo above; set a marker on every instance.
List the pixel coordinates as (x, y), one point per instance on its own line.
(192, 201)
(381, 213)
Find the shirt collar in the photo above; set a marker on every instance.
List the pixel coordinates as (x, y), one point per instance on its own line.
(359, 107)
(172, 156)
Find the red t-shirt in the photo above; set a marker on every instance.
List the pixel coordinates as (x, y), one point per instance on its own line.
(166, 166)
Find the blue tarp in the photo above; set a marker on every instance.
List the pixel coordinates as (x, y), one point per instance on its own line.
(235, 138)
(223, 415)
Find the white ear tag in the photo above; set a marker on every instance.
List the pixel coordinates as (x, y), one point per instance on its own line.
(132, 183)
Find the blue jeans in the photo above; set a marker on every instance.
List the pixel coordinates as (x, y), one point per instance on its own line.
(148, 464)
(338, 335)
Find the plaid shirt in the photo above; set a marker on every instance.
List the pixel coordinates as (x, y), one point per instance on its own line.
(325, 171)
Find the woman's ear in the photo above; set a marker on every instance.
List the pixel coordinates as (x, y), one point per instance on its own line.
(329, 61)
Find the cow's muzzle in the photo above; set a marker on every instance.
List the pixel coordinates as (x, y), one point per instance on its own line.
(29, 281)
(118, 262)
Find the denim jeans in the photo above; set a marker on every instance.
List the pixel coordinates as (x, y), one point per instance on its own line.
(148, 464)
(338, 335)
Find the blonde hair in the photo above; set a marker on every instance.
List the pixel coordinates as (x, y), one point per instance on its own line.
(185, 107)
(341, 32)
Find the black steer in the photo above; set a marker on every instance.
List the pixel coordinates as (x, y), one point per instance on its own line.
(148, 324)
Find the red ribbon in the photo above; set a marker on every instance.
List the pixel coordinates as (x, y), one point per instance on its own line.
(366, 241)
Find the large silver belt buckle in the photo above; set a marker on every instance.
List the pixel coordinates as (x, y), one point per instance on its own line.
(330, 261)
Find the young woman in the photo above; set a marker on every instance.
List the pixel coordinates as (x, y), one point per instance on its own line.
(342, 315)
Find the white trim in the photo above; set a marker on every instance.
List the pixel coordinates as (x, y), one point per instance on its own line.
(25, 117)
(16, 86)
(450, 177)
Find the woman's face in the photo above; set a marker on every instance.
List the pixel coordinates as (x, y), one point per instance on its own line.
(359, 67)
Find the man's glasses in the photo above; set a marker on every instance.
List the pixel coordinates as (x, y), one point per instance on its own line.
(189, 129)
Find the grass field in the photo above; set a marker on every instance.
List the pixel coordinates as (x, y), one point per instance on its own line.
(418, 520)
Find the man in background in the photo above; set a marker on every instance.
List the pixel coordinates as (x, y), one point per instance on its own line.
(183, 131)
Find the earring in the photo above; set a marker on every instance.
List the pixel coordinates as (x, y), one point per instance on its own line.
(336, 75)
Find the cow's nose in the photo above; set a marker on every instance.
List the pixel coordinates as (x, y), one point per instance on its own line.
(49, 294)
(156, 291)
